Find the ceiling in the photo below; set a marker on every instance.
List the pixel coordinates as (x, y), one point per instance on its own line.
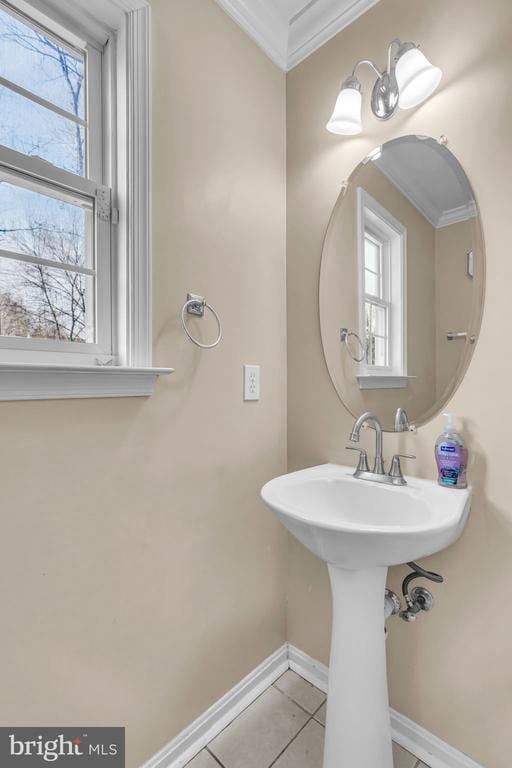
(290, 30)
(431, 179)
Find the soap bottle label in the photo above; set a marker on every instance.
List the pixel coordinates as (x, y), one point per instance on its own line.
(450, 458)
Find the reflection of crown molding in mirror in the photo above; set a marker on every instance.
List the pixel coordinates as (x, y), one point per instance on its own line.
(439, 295)
(427, 204)
(454, 215)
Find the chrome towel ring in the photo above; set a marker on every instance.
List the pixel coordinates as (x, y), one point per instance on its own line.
(345, 334)
(195, 305)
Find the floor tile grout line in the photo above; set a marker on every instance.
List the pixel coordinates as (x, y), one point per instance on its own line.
(318, 709)
(214, 756)
(296, 702)
(293, 701)
(240, 714)
(274, 761)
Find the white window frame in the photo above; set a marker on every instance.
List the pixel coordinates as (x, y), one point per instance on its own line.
(374, 219)
(120, 30)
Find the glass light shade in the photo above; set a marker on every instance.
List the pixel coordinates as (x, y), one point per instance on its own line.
(417, 78)
(346, 118)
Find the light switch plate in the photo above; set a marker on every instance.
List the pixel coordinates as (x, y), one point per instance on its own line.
(251, 382)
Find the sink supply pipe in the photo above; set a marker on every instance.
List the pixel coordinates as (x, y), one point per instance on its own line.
(391, 604)
(419, 599)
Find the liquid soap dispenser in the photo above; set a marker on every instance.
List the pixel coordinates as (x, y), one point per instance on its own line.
(451, 456)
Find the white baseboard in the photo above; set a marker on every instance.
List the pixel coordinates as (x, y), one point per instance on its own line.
(178, 752)
(424, 745)
(421, 743)
(429, 748)
(310, 669)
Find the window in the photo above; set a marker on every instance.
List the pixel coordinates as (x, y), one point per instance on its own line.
(55, 256)
(376, 301)
(382, 257)
(74, 141)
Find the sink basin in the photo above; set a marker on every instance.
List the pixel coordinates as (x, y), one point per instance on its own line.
(358, 524)
(360, 528)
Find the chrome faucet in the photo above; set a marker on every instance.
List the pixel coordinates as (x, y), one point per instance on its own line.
(370, 418)
(378, 474)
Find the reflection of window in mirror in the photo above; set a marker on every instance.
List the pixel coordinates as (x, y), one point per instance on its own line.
(382, 293)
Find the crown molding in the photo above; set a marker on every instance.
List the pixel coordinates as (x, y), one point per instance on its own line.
(258, 19)
(289, 41)
(317, 23)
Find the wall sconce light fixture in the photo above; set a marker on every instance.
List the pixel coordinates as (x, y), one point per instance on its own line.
(408, 80)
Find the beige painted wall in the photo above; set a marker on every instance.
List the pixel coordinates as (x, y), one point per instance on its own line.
(140, 575)
(339, 300)
(451, 670)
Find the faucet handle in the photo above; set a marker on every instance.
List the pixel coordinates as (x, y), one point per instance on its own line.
(363, 458)
(396, 469)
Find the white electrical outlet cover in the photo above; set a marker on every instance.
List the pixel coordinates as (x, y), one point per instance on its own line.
(251, 382)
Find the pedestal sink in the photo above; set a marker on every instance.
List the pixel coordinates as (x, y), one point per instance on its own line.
(359, 528)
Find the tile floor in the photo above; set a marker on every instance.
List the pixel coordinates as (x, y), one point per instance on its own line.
(283, 728)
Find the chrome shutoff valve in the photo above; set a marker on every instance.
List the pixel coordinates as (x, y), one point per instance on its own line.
(419, 598)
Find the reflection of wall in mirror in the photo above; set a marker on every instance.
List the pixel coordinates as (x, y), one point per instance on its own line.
(454, 299)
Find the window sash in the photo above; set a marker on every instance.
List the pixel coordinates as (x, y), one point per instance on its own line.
(92, 60)
(378, 273)
(369, 299)
(32, 172)
(94, 85)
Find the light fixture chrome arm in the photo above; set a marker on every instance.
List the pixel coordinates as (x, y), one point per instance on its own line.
(370, 63)
(395, 41)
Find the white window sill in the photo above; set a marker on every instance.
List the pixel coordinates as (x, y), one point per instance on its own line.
(24, 381)
(383, 381)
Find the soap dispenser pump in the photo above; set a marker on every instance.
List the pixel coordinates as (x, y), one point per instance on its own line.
(451, 456)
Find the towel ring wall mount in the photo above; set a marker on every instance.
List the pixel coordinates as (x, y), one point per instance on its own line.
(196, 305)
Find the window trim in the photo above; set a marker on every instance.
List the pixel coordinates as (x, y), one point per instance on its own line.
(394, 233)
(125, 24)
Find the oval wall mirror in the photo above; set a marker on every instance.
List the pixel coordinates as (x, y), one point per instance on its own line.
(402, 281)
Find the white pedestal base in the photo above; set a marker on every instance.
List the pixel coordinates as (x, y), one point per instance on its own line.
(357, 733)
